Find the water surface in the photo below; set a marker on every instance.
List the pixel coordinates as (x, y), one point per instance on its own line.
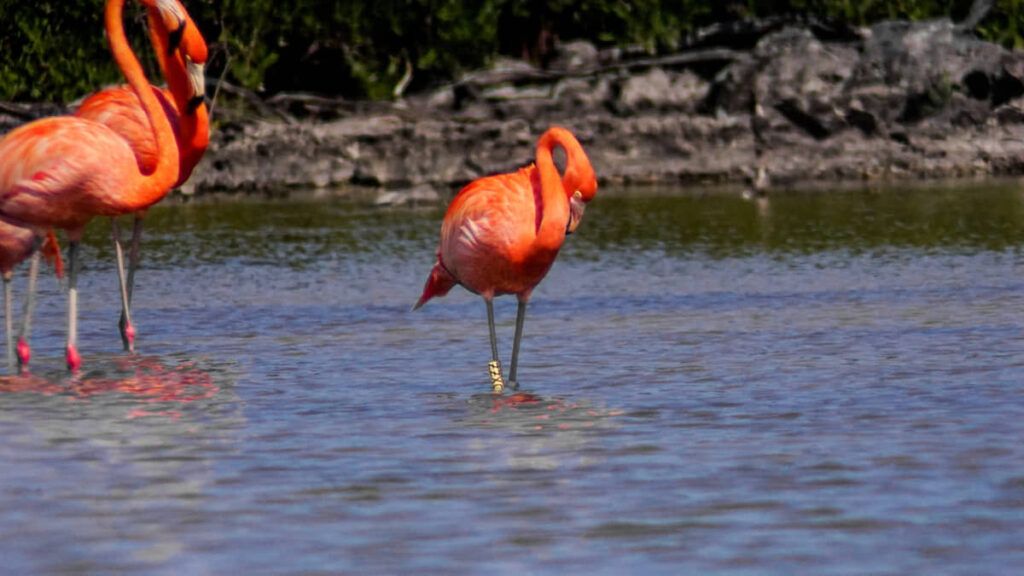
(826, 383)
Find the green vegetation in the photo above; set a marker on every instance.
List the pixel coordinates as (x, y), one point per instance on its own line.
(54, 50)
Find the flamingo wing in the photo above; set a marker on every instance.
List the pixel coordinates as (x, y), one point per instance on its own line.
(120, 109)
(488, 234)
(59, 172)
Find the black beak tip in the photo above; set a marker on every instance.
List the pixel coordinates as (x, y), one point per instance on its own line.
(195, 103)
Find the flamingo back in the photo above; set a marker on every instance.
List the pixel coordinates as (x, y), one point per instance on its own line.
(119, 109)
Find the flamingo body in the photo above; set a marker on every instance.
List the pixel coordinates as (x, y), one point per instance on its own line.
(61, 172)
(502, 233)
(181, 52)
(120, 108)
(49, 179)
(488, 236)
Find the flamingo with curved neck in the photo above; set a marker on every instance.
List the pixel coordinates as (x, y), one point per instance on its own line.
(181, 53)
(502, 233)
(61, 172)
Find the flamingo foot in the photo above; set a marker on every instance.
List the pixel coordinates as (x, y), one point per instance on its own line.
(24, 354)
(497, 382)
(129, 337)
(74, 359)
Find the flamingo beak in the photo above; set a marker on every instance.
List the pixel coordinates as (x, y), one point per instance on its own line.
(576, 208)
(197, 77)
(174, 21)
(174, 37)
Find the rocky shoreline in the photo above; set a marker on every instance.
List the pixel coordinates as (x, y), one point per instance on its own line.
(767, 107)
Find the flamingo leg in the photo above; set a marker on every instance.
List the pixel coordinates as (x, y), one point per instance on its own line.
(133, 265)
(73, 358)
(9, 321)
(494, 367)
(24, 352)
(520, 318)
(127, 330)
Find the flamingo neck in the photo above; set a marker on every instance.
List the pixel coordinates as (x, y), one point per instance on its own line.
(158, 39)
(195, 137)
(554, 203)
(150, 187)
(577, 166)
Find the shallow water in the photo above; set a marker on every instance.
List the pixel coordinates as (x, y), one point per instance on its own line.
(819, 383)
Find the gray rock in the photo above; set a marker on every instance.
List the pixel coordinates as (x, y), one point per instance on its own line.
(803, 79)
(899, 100)
(574, 55)
(657, 89)
(925, 63)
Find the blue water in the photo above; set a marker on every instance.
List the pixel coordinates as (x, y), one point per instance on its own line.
(819, 383)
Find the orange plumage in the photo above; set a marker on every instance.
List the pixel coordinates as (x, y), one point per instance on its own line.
(61, 172)
(16, 244)
(501, 234)
(490, 236)
(120, 109)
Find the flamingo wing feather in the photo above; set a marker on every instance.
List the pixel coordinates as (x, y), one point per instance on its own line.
(46, 160)
(120, 109)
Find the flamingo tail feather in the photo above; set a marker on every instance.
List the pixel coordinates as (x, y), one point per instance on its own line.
(51, 252)
(438, 284)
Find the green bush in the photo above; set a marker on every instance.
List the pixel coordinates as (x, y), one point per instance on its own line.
(55, 51)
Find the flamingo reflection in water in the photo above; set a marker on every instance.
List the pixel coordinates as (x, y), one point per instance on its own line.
(526, 411)
(158, 388)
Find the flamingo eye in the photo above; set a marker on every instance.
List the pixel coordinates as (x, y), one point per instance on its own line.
(577, 194)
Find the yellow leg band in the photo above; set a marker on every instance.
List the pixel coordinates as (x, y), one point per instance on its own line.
(497, 382)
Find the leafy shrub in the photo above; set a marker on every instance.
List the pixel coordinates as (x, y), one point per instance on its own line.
(53, 50)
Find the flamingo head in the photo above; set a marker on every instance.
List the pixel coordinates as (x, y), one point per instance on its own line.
(576, 209)
(580, 179)
(186, 42)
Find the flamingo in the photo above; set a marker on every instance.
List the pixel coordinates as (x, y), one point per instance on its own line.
(181, 53)
(501, 233)
(62, 171)
(16, 245)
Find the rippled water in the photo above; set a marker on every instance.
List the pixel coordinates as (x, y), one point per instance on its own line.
(826, 383)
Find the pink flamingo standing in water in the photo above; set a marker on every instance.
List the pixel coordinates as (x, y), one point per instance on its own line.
(17, 244)
(61, 172)
(501, 233)
(121, 110)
